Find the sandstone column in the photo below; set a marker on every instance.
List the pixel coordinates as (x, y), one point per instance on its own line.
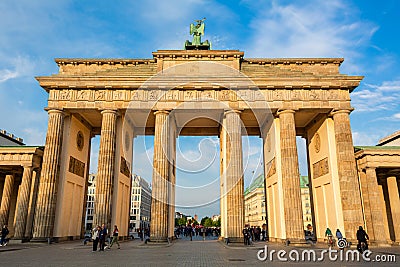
(159, 204)
(22, 203)
(105, 171)
(393, 191)
(377, 231)
(290, 177)
(348, 180)
(234, 176)
(47, 196)
(6, 199)
(32, 203)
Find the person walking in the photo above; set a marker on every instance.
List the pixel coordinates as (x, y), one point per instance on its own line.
(102, 236)
(4, 233)
(114, 238)
(362, 238)
(95, 237)
(328, 234)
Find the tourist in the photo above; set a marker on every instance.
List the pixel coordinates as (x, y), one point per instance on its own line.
(338, 234)
(328, 234)
(4, 233)
(362, 237)
(102, 236)
(95, 237)
(115, 237)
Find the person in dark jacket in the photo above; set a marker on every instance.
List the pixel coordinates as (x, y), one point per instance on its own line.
(362, 237)
(4, 233)
(102, 236)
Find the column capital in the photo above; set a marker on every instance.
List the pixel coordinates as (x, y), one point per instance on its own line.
(228, 111)
(338, 111)
(113, 111)
(27, 165)
(282, 111)
(55, 110)
(162, 111)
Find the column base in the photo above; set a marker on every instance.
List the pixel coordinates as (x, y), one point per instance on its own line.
(228, 240)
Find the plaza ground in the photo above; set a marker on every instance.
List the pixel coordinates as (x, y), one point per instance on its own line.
(181, 252)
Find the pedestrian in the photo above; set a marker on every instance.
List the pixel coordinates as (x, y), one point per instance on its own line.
(4, 233)
(362, 237)
(338, 234)
(102, 236)
(328, 234)
(115, 237)
(95, 237)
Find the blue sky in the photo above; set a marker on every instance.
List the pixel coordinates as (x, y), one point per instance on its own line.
(364, 33)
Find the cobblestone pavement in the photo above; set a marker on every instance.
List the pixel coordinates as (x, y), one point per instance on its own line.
(181, 252)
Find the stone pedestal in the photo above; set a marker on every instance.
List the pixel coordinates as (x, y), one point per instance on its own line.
(6, 199)
(290, 178)
(47, 196)
(234, 176)
(159, 204)
(348, 179)
(22, 203)
(105, 172)
(393, 191)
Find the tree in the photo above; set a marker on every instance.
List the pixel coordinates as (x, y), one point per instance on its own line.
(208, 222)
(217, 223)
(203, 220)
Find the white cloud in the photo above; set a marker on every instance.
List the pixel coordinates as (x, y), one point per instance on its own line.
(315, 29)
(365, 139)
(7, 74)
(385, 96)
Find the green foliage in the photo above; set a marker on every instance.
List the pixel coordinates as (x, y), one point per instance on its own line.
(180, 221)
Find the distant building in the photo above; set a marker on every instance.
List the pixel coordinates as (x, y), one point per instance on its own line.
(254, 203)
(140, 203)
(9, 139)
(215, 218)
(90, 202)
(390, 140)
(305, 201)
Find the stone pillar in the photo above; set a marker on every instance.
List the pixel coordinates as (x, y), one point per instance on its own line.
(234, 176)
(385, 216)
(159, 204)
(376, 230)
(22, 203)
(47, 196)
(32, 203)
(348, 179)
(394, 206)
(290, 177)
(105, 171)
(6, 199)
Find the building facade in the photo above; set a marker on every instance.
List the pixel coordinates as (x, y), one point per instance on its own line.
(254, 203)
(140, 212)
(306, 202)
(90, 202)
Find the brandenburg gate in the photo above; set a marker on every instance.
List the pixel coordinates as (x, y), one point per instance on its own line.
(198, 92)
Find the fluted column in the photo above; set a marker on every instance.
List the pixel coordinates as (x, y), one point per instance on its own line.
(376, 230)
(348, 180)
(234, 176)
(159, 204)
(394, 199)
(22, 203)
(105, 172)
(6, 199)
(32, 203)
(47, 196)
(290, 177)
